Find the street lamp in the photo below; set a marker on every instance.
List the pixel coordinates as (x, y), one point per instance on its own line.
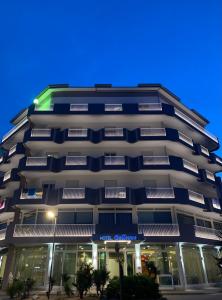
(51, 215)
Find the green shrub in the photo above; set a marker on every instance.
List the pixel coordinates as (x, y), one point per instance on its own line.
(134, 287)
(16, 289)
(66, 279)
(83, 279)
(100, 278)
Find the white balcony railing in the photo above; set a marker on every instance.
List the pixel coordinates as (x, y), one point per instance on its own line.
(36, 161)
(210, 175)
(114, 160)
(14, 129)
(47, 230)
(1, 158)
(206, 233)
(41, 132)
(115, 192)
(152, 132)
(159, 193)
(216, 203)
(113, 107)
(190, 166)
(114, 132)
(2, 234)
(31, 194)
(79, 107)
(73, 193)
(204, 150)
(159, 229)
(194, 124)
(78, 132)
(193, 196)
(48, 107)
(76, 160)
(156, 160)
(7, 175)
(149, 106)
(185, 138)
(12, 150)
(219, 160)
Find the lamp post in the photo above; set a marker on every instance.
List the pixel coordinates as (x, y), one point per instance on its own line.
(51, 215)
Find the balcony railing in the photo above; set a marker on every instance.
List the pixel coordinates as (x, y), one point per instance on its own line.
(36, 161)
(216, 203)
(206, 233)
(190, 166)
(41, 132)
(114, 132)
(160, 193)
(47, 230)
(149, 106)
(73, 193)
(152, 132)
(219, 160)
(12, 150)
(114, 160)
(1, 159)
(194, 124)
(156, 160)
(48, 107)
(31, 194)
(159, 229)
(204, 150)
(193, 196)
(2, 234)
(78, 132)
(76, 160)
(115, 192)
(113, 107)
(7, 175)
(210, 175)
(14, 129)
(79, 107)
(185, 139)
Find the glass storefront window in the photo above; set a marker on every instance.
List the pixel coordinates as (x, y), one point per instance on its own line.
(213, 272)
(31, 263)
(193, 265)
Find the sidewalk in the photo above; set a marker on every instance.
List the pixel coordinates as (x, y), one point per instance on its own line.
(204, 291)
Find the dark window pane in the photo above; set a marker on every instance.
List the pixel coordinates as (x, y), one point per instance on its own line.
(203, 223)
(218, 225)
(29, 219)
(43, 219)
(66, 218)
(84, 218)
(145, 217)
(3, 225)
(184, 219)
(163, 217)
(123, 218)
(106, 218)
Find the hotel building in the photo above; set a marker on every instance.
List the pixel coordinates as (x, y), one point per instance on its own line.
(126, 164)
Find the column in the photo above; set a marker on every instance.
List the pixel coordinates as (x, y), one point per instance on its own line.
(95, 256)
(203, 264)
(179, 254)
(138, 265)
(8, 266)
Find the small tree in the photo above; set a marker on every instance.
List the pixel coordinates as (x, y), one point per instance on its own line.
(100, 278)
(151, 269)
(67, 285)
(83, 279)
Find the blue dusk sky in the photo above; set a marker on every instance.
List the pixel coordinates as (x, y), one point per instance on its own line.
(177, 43)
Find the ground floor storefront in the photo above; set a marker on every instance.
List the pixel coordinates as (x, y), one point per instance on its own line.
(178, 265)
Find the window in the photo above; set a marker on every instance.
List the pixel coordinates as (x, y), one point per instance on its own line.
(154, 217)
(29, 218)
(204, 223)
(66, 217)
(123, 218)
(184, 219)
(3, 226)
(84, 218)
(43, 219)
(107, 218)
(218, 225)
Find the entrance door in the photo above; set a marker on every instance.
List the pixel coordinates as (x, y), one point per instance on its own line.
(113, 265)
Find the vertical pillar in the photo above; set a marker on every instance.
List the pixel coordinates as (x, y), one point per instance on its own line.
(179, 254)
(8, 266)
(203, 264)
(95, 256)
(138, 266)
(50, 253)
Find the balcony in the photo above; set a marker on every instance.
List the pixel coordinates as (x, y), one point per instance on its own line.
(194, 124)
(7, 176)
(31, 194)
(76, 160)
(216, 203)
(159, 230)
(115, 192)
(46, 107)
(113, 132)
(210, 175)
(152, 132)
(159, 193)
(206, 233)
(79, 107)
(73, 193)
(47, 230)
(114, 160)
(149, 106)
(193, 196)
(185, 139)
(41, 132)
(2, 234)
(78, 132)
(1, 159)
(204, 150)
(219, 160)
(14, 129)
(36, 161)
(12, 150)
(190, 166)
(155, 160)
(113, 107)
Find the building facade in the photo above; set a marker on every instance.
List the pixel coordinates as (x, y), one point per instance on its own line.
(132, 165)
